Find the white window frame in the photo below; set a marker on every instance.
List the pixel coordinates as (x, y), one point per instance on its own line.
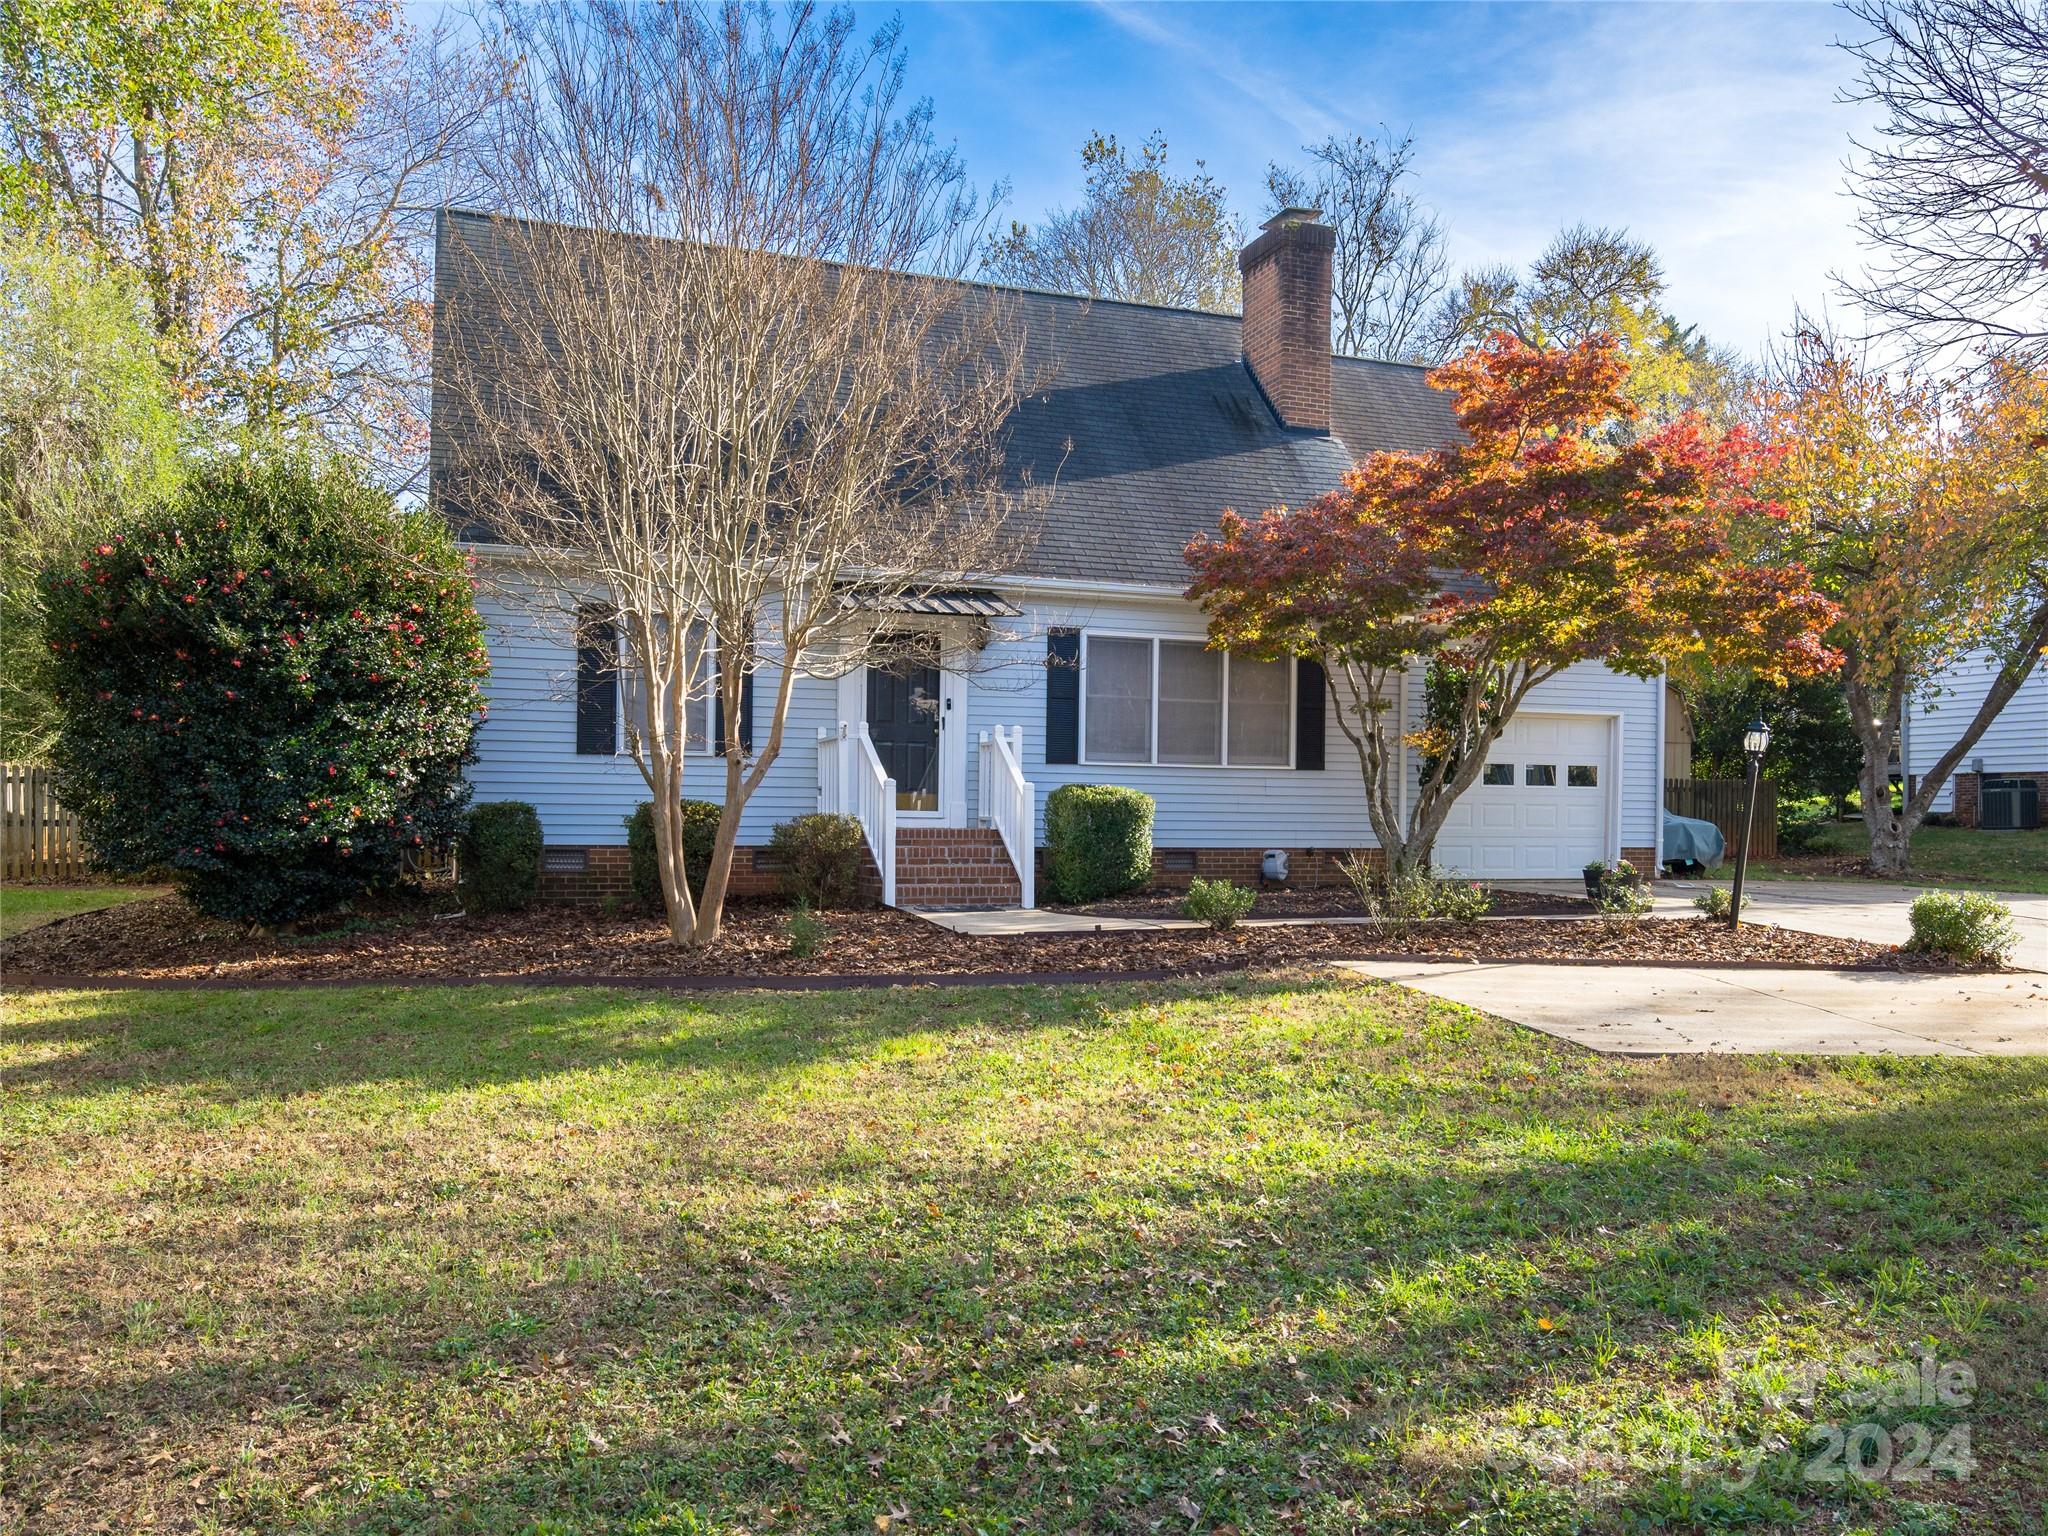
(1154, 637)
(623, 660)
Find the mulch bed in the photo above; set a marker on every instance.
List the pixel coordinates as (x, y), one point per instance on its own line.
(164, 939)
(1334, 901)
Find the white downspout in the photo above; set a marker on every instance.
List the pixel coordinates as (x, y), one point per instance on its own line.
(1663, 736)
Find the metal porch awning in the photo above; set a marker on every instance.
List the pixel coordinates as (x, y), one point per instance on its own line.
(958, 602)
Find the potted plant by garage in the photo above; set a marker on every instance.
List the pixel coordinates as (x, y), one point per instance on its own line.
(1594, 872)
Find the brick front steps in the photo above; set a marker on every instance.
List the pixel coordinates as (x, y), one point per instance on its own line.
(954, 867)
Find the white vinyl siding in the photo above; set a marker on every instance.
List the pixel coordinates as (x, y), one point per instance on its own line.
(2014, 743)
(526, 749)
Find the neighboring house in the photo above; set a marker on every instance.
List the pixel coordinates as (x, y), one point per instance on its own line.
(2013, 747)
(1154, 421)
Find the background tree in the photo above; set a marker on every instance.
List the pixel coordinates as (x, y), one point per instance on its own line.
(1589, 282)
(1954, 192)
(88, 437)
(1922, 509)
(269, 686)
(1814, 750)
(699, 383)
(267, 171)
(1141, 233)
(1564, 547)
(1390, 262)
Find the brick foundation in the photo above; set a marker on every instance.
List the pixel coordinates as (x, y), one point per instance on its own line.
(1307, 868)
(607, 875)
(1968, 796)
(969, 867)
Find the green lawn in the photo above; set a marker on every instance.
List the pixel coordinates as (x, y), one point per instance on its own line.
(1257, 1255)
(2004, 861)
(24, 906)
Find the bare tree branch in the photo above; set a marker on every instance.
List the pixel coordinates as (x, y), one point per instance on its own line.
(1391, 263)
(713, 369)
(1954, 191)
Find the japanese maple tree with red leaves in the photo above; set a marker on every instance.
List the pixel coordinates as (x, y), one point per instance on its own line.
(1535, 542)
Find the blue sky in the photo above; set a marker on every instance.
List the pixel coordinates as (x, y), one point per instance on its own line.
(1713, 131)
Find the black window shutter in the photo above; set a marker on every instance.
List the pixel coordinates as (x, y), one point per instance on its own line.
(1063, 696)
(1309, 696)
(597, 683)
(746, 730)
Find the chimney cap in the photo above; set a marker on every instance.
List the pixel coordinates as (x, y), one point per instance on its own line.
(1293, 216)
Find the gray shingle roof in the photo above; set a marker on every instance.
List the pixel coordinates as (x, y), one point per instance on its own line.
(1149, 424)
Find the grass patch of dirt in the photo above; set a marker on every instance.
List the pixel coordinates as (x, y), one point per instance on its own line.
(1941, 856)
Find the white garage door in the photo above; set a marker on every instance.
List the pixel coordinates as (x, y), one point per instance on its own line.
(1541, 808)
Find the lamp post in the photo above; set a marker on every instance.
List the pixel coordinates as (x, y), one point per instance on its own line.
(1755, 742)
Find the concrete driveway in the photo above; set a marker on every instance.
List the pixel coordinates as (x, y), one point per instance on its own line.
(1842, 909)
(1848, 909)
(1665, 1010)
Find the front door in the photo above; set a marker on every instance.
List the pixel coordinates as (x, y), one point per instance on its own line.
(903, 720)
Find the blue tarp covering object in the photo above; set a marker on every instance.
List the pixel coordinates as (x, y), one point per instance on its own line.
(1688, 840)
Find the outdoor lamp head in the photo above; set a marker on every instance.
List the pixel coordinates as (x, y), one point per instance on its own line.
(1757, 739)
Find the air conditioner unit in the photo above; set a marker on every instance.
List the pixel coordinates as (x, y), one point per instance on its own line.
(2009, 805)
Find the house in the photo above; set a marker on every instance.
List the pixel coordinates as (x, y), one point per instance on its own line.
(1084, 663)
(2014, 747)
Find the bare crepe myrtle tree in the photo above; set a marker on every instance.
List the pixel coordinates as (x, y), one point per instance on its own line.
(712, 371)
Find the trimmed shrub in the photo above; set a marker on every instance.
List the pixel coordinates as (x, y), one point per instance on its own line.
(499, 857)
(1969, 926)
(269, 687)
(1718, 901)
(700, 831)
(820, 858)
(1216, 902)
(1098, 841)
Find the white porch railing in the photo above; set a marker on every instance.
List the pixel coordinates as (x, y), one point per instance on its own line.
(1009, 804)
(852, 782)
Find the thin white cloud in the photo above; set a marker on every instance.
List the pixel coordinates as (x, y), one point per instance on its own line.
(1713, 132)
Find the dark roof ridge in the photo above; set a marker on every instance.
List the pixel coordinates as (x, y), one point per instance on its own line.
(1230, 316)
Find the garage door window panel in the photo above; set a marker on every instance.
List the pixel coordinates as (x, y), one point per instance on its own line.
(1498, 774)
(1582, 776)
(1540, 775)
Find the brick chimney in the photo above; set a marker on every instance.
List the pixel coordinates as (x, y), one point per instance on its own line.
(1287, 315)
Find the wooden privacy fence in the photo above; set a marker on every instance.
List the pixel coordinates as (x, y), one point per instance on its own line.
(38, 838)
(1720, 801)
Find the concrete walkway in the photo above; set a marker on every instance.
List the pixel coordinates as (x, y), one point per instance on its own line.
(1664, 1010)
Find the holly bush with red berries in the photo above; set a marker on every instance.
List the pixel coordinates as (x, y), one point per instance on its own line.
(269, 686)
